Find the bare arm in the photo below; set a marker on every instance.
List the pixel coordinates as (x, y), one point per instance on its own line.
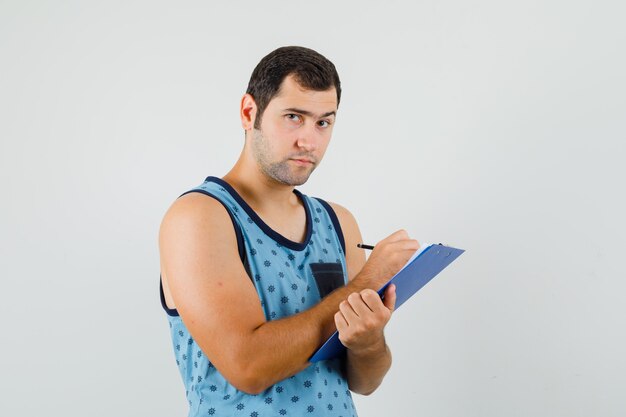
(205, 276)
(362, 318)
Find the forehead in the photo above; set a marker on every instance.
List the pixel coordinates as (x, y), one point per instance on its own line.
(292, 95)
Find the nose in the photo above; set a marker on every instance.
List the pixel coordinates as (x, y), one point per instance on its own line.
(307, 139)
(306, 144)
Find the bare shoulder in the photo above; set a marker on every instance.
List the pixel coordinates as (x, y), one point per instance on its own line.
(192, 208)
(195, 229)
(348, 223)
(343, 213)
(355, 257)
(196, 223)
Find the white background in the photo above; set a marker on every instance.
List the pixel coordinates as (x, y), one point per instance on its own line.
(494, 126)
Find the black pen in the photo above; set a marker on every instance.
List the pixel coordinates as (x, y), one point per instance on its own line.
(364, 246)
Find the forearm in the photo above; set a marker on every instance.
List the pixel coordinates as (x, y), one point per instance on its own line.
(281, 348)
(365, 371)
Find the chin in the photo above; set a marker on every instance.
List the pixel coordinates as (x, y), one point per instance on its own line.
(294, 181)
(287, 177)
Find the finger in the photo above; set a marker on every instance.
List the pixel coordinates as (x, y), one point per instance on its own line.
(372, 300)
(340, 322)
(359, 305)
(405, 244)
(347, 311)
(390, 297)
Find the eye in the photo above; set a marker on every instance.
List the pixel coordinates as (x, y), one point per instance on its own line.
(324, 123)
(292, 116)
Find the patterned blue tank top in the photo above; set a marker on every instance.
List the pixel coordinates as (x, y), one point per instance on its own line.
(289, 277)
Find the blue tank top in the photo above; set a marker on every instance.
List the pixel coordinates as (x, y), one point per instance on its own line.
(289, 277)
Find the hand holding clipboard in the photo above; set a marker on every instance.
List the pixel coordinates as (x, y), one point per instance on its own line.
(423, 266)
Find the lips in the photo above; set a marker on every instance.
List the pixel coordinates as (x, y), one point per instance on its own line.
(302, 160)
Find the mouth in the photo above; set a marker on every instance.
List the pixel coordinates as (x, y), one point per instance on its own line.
(302, 161)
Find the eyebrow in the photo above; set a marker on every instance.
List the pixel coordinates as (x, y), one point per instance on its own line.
(308, 113)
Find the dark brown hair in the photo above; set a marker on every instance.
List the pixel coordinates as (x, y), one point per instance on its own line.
(310, 69)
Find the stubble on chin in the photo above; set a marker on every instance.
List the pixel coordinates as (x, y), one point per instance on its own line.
(280, 171)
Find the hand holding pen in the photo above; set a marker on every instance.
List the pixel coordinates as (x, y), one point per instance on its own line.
(387, 257)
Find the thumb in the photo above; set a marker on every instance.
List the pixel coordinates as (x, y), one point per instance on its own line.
(390, 297)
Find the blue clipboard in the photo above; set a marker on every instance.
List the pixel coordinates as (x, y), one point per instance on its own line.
(410, 279)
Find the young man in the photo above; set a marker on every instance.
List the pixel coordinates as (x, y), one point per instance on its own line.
(256, 276)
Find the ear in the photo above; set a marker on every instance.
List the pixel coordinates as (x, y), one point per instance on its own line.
(247, 112)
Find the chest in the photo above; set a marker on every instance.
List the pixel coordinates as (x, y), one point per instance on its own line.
(288, 223)
(289, 281)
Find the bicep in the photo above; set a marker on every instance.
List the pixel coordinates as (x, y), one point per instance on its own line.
(209, 285)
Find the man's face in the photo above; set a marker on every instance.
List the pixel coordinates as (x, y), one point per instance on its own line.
(295, 130)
